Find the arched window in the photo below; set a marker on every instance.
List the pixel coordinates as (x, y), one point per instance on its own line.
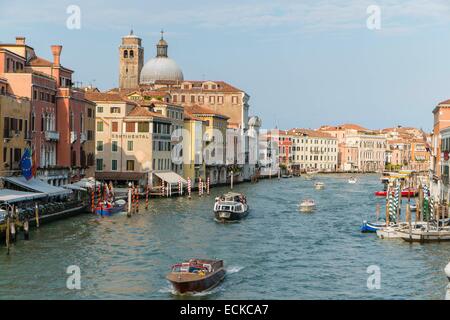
(125, 54)
(74, 158)
(131, 54)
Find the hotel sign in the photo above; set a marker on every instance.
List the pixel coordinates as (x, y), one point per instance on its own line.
(130, 136)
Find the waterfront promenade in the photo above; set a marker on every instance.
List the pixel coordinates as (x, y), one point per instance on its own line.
(275, 253)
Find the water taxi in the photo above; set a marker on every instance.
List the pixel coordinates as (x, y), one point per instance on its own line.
(307, 205)
(196, 275)
(231, 207)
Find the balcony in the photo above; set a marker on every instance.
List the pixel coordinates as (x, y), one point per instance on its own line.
(51, 136)
(83, 137)
(73, 136)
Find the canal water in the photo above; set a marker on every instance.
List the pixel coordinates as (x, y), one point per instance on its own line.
(275, 253)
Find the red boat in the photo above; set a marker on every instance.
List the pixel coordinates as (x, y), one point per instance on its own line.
(405, 193)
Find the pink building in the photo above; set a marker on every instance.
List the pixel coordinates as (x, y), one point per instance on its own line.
(54, 108)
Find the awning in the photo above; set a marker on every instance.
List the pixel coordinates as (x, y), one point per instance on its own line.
(73, 187)
(108, 175)
(37, 185)
(170, 177)
(11, 196)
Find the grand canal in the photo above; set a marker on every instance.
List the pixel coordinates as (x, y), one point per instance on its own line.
(275, 253)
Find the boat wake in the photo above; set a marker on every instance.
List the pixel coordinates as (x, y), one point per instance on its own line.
(233, 269)
(168, 289)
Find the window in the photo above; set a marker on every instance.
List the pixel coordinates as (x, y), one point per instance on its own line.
(125, 54)
(143, 127)
(33, 118)
(99, 109)
(131, 54)
(99, 164)
(115, 110)
(130, 165)
(99, 126)
(114, 165)
(234, 99)
(220, 99)
(114, 147)
(175, 98)
(99, 145)
(130, 126)
(89, 113)
(115, 126)
(130, 145)
(192, 99)
(183, 98)
(17, 155)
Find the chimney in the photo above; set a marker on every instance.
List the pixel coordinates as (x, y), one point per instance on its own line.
(56, 51)
(20, 40)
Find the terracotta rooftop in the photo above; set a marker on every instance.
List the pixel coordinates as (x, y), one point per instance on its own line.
(40, 62)
(310, 133)
(139, 111)
(104, 96)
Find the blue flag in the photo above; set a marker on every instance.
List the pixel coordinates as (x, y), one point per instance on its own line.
(25, 164)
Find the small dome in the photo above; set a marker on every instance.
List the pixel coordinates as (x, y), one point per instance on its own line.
(160, 68)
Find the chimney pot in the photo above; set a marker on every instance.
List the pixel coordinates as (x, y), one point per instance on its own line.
(56, 51)
(20, 40)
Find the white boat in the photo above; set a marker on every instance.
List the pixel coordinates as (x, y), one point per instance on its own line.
(319, 185)
(352, 180)
(231, 206)
(307, 205)
(396, 231)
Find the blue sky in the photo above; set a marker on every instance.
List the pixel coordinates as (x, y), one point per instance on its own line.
(304, 63)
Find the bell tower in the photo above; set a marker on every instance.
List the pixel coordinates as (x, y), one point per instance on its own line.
(131, 61)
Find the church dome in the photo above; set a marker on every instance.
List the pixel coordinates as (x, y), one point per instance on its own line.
(161, 67)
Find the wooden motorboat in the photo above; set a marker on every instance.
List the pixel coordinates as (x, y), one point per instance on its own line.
(230, 207)
(405, 193)
(319, 185)
(196, 275)
(307, 205)
(108, 209)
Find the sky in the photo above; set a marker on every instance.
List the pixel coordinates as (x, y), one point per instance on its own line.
(304, 63)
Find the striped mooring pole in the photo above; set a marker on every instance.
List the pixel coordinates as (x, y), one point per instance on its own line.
(189, 187)
(93, 200)
(146, 197)
(207, 186)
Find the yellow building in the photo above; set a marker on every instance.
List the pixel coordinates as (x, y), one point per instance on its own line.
(14, 123)
(215, 142)
(193, 146)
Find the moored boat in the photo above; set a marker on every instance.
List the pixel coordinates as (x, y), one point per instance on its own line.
(231, 207)
(411, 192)
(108, 209)
(426, 234)
(307, 205)
(196, 275)
(372, 226)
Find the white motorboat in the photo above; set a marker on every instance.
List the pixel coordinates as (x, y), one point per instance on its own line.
(307, 205)
(352, 180)
(319, 185)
